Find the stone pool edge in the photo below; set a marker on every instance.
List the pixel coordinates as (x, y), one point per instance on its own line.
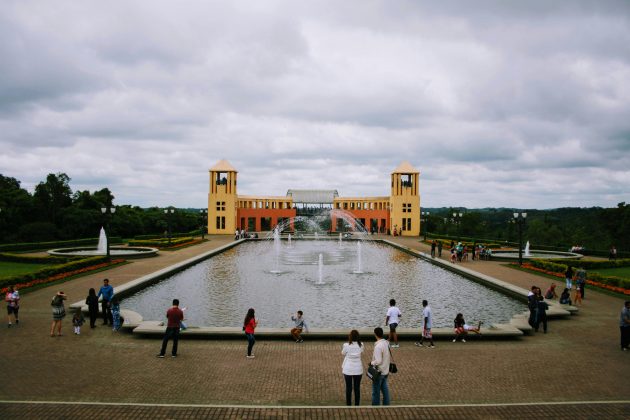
(517, 326)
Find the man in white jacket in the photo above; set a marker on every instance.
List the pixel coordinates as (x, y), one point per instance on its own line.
(380, 359)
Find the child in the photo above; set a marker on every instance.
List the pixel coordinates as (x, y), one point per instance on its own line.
(577, 297)
(77, 321)
(461, 328)
(300, 324)
(115, 314)
(182, 325)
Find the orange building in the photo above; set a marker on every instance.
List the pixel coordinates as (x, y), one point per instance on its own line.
(228, 211)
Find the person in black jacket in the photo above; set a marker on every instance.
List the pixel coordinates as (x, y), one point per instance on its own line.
(92, 302)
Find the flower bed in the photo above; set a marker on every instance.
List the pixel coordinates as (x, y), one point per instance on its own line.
(60, 276)
(161, 243)
(615, 284)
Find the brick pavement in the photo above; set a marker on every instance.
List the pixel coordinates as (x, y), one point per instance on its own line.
(578, 360)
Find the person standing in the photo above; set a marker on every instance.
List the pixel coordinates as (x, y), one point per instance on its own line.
(352, 368)
(174, 316)
(12, 298)
(249, 326)
(433, 245)
(58, 313)
(439, 248)
(92, 302)
(380, 359)
(580, 280)
(107, 293)
(541, 311)
(427, 324)
(116, 315)
(300, 324)
(612, 255)
(568, 276)
(392, 320)
(624, 326)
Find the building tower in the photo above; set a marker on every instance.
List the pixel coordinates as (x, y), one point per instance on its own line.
(404, 201)
(222, 199)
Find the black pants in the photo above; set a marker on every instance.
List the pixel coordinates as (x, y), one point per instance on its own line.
(353, 381)
(171, 332)
(539, 319)
(93, 316)
(625, 337)
(107, 311)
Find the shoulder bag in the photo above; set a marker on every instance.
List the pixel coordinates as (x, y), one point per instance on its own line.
(373, 373)
(392, 366)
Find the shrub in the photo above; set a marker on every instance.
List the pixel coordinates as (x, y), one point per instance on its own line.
(38, 246)
(53, 270)
(160, 243)
(33, 260)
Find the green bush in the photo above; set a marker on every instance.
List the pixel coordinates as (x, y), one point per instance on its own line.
(33, 260)
(38, 246)
(160, 243)
(52, 271)
(162, 236)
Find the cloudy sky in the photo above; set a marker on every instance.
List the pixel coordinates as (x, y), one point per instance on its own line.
(502, 104)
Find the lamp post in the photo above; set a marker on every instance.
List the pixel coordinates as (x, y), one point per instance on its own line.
(168, 212)
(425, 219)
(107, 214)
(457, 219)
(204, 218)
(519, 219)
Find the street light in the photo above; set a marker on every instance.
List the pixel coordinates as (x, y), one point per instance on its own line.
(519, 219)
(457, 219)
(168, 223)
(204, 218)
(426, 218)
(107, 211)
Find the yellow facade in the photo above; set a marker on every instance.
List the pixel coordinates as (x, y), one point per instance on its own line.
(404, 200)
(222, 199)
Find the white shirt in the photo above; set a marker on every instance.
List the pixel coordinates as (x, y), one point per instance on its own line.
(381, 357)
(352, 364)
(393, 313)
(426, 313)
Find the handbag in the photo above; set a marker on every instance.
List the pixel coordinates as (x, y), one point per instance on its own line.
(392, 366)
(373, 373)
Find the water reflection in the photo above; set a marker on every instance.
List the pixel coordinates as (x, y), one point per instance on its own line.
(218, 291)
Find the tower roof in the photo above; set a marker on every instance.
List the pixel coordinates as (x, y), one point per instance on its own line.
(405, 168)
(223, 166)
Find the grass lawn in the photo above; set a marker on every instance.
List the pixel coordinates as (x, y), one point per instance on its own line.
(8, 268)
(618, 271)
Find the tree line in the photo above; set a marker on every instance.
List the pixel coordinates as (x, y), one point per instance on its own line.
(55, 212)
(594, 228)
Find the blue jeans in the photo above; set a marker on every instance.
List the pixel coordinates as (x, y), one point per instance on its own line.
(379, 386)
(250, 343)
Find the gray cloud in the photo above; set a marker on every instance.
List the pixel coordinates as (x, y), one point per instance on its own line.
(501, 104)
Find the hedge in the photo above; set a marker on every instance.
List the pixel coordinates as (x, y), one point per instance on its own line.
(33, 260)
(38, 246)
(447, 243)
(160, 243)
(161, 236)
(52, 270)
(558, 268)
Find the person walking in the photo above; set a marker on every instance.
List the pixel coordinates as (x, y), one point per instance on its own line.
(352, 368)
(12, 298)
(174, 316)
(300, 324)
(92, 302)
(392, 320)
(439, 248)
(58, 313)
(380, 359)
(107, 292)
(580, 281)
(77, 320)
(624, 326)
(249, 326)
(433, 245)
(427, 324)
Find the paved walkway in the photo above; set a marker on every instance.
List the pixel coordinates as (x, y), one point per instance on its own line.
(578, 360)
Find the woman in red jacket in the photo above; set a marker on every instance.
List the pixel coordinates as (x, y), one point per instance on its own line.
(249, 325)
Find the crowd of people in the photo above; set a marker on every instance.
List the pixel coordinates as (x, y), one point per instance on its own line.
(460, 252)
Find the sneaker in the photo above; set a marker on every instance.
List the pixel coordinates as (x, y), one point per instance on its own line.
(297, 341)
(431, 346)
(250, 357)
(419, 344)
(301, 340)
(9, 326)
(173, 356)
(17, 321)
(161, 356)
(454, 340)
(463, 340)
(395, 346)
